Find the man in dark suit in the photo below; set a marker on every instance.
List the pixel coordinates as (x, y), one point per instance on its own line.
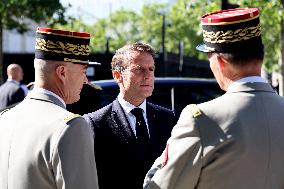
(127, 141)
(11, 91)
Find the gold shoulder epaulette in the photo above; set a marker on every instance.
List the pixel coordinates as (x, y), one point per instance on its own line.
(194, 110)
(69, 118)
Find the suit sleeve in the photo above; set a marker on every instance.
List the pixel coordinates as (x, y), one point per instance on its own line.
(180, 164)
(89, 121)
(18, 96)
(74, 161)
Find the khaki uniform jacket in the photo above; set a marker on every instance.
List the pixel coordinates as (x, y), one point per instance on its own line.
(232, 142)
(43, 146)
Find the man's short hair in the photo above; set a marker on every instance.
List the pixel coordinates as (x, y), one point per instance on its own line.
(121, 55)
(243, 58)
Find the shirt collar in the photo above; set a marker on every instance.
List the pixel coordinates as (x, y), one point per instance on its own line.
(45, 91)
(250, 79)
(128, 106)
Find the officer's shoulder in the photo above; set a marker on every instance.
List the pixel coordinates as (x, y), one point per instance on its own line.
(194, 110)
(100, 115)
(71, 117)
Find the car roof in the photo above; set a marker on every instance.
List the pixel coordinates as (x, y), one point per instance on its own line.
(160, 80)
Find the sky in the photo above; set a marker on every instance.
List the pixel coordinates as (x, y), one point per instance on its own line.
(91, 10)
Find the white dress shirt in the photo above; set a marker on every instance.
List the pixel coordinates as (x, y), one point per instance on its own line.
(127, 107)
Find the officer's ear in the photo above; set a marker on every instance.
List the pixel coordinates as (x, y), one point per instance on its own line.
(221, 62)
(225, 67)
(61, 72)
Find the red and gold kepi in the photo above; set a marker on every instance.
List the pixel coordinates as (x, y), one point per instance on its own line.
(62, 45)
(231, 31)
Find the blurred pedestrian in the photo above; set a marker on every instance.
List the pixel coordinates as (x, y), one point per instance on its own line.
(11, 91)
(42, 144)
(234, 141)
(130, 132)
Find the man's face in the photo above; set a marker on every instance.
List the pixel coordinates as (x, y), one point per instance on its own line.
(74, 84)
(137, 80)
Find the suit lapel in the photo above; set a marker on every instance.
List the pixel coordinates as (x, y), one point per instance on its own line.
(119, 122)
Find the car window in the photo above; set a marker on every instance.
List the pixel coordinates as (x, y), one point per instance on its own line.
(184, 94)
(194, 94)
(108, 94)
(161, 95)
(89, 101)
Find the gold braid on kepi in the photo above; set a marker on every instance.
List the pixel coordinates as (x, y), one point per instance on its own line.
(232, 30)
(62, 45)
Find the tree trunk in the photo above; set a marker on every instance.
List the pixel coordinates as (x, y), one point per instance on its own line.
(1, 54)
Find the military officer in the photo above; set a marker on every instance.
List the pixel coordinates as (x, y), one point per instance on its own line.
(234, 141)
(42, 144)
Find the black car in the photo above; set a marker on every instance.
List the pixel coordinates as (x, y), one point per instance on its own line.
(172, 93)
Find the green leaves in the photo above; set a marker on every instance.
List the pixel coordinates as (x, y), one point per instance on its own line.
(16, 14)
(271, 13)
(182, 23)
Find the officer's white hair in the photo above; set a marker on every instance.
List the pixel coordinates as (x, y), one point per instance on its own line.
(43, 68)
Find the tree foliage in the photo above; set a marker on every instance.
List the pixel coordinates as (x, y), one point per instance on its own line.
(183, 24)
(151, 24)
(17, 14)
(123, 26)
(185, 17)
(271, 14)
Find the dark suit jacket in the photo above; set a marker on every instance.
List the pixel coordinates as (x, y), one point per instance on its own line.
(119, 161)
(10, 93)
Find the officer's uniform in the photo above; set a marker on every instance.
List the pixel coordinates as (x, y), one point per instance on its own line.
(234, 141)
(42, 145)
